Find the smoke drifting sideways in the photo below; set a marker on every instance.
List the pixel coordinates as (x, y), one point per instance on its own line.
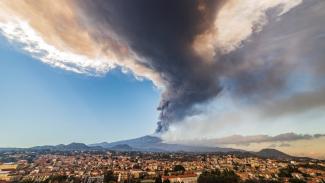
(185, 47)
(162, 33)
(170, 36)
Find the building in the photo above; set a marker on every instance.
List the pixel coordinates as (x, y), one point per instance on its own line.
(6, 170)
(5, 176)
(8, 166)
(186, 178)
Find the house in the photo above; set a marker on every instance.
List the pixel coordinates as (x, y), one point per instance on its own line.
(186, 178)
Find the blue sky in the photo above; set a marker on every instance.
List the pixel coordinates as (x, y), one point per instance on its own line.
(40, 104)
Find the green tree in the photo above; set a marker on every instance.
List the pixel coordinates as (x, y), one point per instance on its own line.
(216, 176)
(166, 172)
(178, 168)
(158, 179)
(166, 181)
(260, 181)
(286, 172)
(294, 180)
(109, 177)
(56, 179)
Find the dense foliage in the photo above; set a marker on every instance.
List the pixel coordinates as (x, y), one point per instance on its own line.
(109, 177)
(178, 168)
(217, 176)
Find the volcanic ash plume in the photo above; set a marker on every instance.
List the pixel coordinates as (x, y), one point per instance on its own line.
(161, 34)
(187, 48)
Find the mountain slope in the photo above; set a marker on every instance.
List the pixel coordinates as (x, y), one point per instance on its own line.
(121, 147)
(70, 147)
(276, 154)
(273, 154)
(153, 143)
(145, 141)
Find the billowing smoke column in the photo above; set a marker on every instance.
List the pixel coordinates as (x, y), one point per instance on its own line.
(189, 49)
(163, 32)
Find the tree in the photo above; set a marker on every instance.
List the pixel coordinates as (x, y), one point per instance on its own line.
(260, 181)
(178, 168)
(109, 177)
(216, 176)
(287, 172)
(158, 179)
(57, 178)
(294, 180)
(166, 181)
(166, 172)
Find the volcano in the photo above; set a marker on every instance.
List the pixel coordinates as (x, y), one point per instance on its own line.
(156, 144)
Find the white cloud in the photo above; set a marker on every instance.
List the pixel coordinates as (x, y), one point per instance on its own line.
(22, 33)
(235, 22)
(54, 33)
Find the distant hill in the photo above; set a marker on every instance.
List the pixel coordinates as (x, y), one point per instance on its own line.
(142, 142)
(76, 146)
(5, 149)
(273, 154)
(70, 147)
(276, 154)
(155, 144)
(122, 147)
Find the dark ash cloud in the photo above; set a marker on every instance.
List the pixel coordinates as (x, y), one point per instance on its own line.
(162, 32)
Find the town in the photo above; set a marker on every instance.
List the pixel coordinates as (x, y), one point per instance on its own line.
(146, 167)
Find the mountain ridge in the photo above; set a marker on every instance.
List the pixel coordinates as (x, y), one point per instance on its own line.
(150, 143)
(61, 147)
(154, 143)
